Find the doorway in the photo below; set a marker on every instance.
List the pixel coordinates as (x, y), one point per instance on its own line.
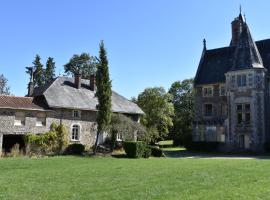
(10, 140)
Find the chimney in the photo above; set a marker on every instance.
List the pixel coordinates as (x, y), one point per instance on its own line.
(93, 82)
(31, 82)
(237, 25)
(236, 31)
(78, 80)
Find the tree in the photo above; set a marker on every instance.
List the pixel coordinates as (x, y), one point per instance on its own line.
(159, 110)
(84, 64)
(50, 70)
(127, 128)
(4, 88)
(39, 78)
(103, 93)
(38, 72)
(183, 95)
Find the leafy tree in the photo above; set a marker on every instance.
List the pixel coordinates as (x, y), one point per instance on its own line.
(183, 96)
(156, 103)
(50, 70)
(4, 88)
(103, 93)
(127, 128)
(84, 64)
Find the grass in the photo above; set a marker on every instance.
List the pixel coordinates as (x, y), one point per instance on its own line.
(113, 178)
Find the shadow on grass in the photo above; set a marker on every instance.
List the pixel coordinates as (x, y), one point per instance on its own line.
(183, 153)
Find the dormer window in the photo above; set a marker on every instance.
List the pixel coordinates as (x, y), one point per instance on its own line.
(222, 91)
(208, 91)
(76, 114)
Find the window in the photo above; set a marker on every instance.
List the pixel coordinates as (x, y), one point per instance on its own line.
(19, 119)
(208, 91)
(241, 80)
(41, 119)
(119, 137)
(239, 107)
(239, 118)
(76, 114)
(208, 110)
(243, 114)
(222, 91)
(247, 118)
(75, 133)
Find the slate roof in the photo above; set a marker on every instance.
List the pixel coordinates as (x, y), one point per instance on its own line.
(22, 103)
(62, 93)
(215, 63)
(246, 53)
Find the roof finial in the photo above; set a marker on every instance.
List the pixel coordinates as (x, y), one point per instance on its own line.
(240, 8)
(204, 44)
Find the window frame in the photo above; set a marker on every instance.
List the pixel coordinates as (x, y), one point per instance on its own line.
(207, 89)
(78, 115)
(41, 123)
(19, 120)
(76, 127)
(220, 90)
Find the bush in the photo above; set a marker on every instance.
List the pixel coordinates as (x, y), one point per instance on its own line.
(75, 149)
(147, 152)
(156, 152)
(135, 149)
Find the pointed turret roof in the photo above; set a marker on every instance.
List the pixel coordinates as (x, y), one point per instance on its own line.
(246, 52)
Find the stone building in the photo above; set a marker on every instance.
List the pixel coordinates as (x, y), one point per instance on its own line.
(68, 101)
(232, 92)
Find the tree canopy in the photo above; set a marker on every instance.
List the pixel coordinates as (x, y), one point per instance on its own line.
(183, 101)
(83, 64)
(4, 88)
(159, 110)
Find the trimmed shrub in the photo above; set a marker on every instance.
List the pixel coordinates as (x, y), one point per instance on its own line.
(147, 152)
(156, 152)
(75, 149)
(135, 149)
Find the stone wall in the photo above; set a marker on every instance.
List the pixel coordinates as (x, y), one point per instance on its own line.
(86, 122)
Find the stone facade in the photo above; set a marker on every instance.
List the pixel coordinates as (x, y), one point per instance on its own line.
(86, 122)
(232, 93)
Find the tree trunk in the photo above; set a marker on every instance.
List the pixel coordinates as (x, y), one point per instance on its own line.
(96, 143)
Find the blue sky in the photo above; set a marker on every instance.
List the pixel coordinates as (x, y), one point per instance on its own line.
(149, 42)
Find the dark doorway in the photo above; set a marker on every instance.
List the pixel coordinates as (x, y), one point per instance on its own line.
(10, 140)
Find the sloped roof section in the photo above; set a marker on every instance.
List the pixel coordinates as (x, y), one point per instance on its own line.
(214, 64)
(246, 53)
(22, 103)
(62, 93)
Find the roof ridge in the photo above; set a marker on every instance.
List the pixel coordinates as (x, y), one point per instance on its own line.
(5, 95)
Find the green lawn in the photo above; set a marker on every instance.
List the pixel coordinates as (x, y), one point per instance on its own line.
(115, 178)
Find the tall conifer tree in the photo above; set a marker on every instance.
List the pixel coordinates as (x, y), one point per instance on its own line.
(103, 93)
(50, 70)
(39, 78)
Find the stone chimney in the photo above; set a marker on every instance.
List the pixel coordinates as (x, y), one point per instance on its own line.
(31, 82)
(237, 25)
(78, 80)
(93, 86)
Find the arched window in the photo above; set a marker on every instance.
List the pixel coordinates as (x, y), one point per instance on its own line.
(75, 132)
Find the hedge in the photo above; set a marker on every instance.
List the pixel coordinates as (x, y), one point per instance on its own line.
(136, 149)
(75, 149)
